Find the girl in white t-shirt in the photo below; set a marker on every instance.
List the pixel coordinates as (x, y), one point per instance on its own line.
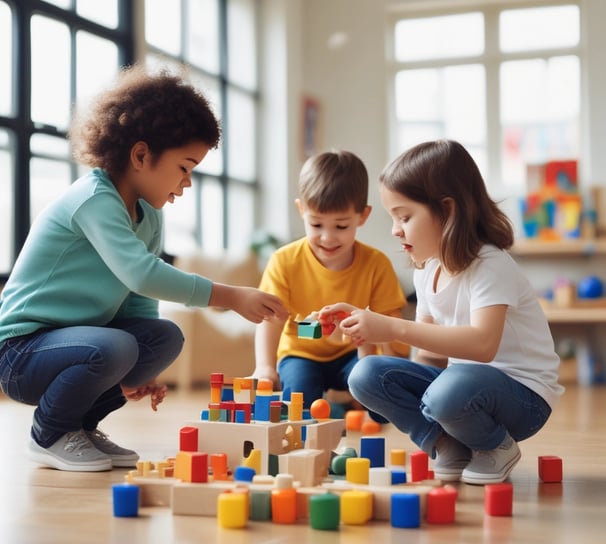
(485, 372)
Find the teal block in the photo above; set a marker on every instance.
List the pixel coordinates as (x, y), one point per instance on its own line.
(260, 505)
(309, 329)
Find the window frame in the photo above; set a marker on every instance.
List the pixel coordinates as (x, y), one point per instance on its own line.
(491, 59)
(20, 124)
(225, 85)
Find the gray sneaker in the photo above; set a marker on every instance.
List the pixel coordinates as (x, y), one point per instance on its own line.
(121, 457)
(72, 452)
(451, 458)
(492, 466)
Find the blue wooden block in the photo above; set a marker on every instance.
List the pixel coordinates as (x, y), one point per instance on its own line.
(405, 511)
(126, 500)
(373, 448)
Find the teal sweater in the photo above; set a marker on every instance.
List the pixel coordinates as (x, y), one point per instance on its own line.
(86, 263)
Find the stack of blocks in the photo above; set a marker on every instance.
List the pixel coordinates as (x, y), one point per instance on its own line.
(276, 463)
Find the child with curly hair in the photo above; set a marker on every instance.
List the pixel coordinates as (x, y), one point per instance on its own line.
(80, 331)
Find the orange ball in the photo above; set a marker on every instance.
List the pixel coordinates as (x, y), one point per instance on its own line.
(371, 427)
(320, 409)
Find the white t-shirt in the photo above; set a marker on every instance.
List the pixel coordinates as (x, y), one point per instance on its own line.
(526, 352)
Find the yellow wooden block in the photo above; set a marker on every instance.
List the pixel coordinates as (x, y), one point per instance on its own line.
(232, 510)
(356, 507)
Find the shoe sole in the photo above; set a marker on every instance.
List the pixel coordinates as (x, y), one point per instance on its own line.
(448, 476)
(483, 479)
(49, 460)
(124, 462)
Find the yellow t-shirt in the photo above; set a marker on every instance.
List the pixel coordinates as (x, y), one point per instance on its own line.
(295, 275)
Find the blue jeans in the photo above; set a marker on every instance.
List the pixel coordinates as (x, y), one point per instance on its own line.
(73, 374)
(474, 403)
(312, 378)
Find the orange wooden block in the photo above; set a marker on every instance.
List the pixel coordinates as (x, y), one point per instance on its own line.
(284, 505)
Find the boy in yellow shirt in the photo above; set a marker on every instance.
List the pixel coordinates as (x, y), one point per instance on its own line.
(326, 265)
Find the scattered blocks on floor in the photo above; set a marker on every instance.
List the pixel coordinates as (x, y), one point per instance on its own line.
(324, 512)
(126, 500)
(550, 468)
(232, 510)
(405, 511)
(498, 499)
(441, 503)
(356, 507)
(419, 466)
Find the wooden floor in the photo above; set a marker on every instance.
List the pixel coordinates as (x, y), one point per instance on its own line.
(41, 505)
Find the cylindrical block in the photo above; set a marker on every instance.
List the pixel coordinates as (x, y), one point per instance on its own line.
(126, 500)
(405, 511)
(379, 476)
(324, 512)
(356, 470)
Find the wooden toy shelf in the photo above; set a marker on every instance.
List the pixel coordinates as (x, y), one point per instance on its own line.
(529, 247)
(582, 311)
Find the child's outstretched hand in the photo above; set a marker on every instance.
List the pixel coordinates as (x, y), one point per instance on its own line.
(362, 326)
(250, 303)
(156, 391)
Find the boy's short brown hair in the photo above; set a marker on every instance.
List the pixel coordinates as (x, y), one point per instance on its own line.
(333, 181)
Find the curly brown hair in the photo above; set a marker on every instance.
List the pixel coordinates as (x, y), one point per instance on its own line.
(443, 176)
(161, 109)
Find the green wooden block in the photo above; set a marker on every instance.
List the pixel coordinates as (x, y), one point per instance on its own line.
(324, 512)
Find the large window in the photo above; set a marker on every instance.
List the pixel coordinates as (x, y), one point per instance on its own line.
(55, 53)
(216, 39)
(503, 81)
(52, 54)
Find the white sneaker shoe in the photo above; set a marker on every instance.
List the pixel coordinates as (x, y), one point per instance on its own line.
(72, 452)
(492, 466)
(451, 458)
(121, 457)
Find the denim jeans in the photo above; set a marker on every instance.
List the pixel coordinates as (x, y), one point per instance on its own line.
(312, 378)
(73, 374)
(474, 403)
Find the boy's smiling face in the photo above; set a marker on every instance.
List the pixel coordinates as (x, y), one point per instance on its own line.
(331, 235)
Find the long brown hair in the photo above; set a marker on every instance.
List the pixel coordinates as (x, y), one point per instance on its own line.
(443, 176)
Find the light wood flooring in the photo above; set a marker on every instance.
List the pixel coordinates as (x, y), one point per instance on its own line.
(40, 505)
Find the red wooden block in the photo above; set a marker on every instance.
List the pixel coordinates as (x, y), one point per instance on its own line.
(188, 439)
(441, 505)
(550, 468)
(498, 499)
(419, 465)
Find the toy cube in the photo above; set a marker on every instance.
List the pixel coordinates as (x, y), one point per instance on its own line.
(441, 505)
(498, 499)
(232, 510)
(356, 507)
(550, 468)
(309, 329)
